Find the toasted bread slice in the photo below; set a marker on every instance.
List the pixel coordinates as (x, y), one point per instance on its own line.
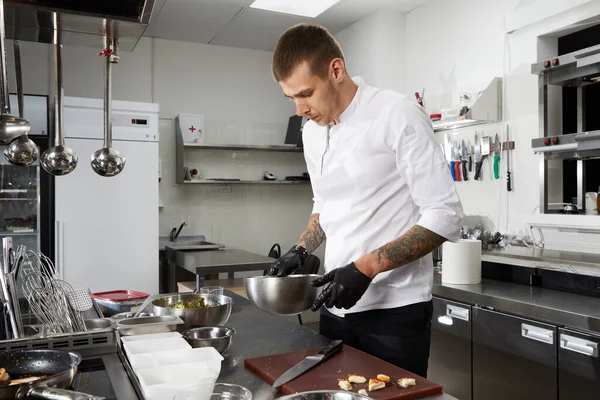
(375, 384)
(344, 384)
(363, 392)
(383, 378)
(355, 378)
(406, 382)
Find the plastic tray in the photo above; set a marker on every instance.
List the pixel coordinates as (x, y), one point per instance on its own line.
(206, 355)
(155, 345)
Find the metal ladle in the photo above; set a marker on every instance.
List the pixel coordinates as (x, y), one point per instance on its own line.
(108, 161)
(10, 127)
(21, 151)
(58, 160)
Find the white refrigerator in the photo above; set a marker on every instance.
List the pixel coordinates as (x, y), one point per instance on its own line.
(107, 228)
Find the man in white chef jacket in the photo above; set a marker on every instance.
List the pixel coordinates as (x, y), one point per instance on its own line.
(383, 198)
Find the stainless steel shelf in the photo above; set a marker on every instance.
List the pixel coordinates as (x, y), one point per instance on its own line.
(18, 233)
(246, 182)
(19, 199)
(243, 147)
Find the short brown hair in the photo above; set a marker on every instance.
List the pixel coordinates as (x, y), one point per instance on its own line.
(304, 42)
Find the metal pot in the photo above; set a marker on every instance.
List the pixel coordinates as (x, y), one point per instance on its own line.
(216, 314)
(59, 367)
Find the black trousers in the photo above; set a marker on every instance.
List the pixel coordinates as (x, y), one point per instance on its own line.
(400, 336)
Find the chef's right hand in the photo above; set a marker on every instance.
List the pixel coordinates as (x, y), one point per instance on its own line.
(290, 263)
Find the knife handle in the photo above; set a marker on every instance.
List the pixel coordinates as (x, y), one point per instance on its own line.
(508, 181)
(452, 170)
(470, 163)
(457, 170)
(331, 349)
(478, 166)
(464, 171)
(497, 167)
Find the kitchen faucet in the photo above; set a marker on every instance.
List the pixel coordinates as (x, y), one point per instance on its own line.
(175, 232)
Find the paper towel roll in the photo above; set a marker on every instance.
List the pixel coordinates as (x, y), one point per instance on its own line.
(461, 262)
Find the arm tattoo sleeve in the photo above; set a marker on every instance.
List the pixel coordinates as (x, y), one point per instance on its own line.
(313, 235)
(414, 244)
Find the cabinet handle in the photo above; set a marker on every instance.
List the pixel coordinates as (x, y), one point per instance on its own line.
(537, 333)
(578, 345)
(457, 312)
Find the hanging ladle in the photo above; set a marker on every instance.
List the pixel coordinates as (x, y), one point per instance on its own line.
(10, 127)
(108, 161)
(58, 160)
(21, 151)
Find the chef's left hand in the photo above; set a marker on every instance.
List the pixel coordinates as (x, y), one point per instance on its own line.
(346, 286)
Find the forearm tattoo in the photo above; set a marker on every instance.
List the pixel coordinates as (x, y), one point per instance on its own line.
(313, 235)
(414, 244)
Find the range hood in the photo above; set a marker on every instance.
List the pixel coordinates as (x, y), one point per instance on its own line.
(82, 22)
(486, 109)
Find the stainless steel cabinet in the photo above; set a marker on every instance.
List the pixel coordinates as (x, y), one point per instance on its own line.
(578, 365)
(450, 351)
(513, 358)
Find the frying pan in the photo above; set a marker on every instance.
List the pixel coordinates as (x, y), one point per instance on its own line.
(59, 367)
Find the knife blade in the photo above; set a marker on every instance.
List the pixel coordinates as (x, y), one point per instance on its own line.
(464, 161)
(497, 154)
(478, 160)
(309, 362)
(470, 153)
(508, 173)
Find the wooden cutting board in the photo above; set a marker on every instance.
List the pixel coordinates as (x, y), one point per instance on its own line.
(348, 361)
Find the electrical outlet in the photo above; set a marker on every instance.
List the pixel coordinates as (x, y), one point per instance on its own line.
(225, 189)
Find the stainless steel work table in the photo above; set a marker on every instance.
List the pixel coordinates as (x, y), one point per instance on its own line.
(547, 305)
(205, 262)
(260, 334)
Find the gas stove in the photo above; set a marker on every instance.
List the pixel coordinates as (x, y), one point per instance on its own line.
(101, 372)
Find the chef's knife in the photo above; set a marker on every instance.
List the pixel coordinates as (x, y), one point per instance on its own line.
(309, 362)
(456, 162)
(464, 161)
(470, 153)
(478, 159)
(508, 181)
(497, 154)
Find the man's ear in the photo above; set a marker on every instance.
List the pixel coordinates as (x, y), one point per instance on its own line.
(337, 69)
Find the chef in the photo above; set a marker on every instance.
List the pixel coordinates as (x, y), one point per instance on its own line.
(383, 198)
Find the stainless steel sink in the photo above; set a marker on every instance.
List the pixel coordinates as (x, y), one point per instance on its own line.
(194, 245)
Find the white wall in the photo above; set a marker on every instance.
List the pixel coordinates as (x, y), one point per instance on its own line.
(460, 45)
(235, 91)
(375, 48)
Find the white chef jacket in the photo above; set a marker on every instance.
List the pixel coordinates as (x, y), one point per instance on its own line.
(375, 175)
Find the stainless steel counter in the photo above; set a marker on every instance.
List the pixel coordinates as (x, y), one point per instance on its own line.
(559, 308)
(567, 261)
(206, 262)
(259, 334)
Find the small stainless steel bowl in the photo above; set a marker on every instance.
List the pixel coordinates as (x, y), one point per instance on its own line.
(219, 337)
(287, 295)
(325, 395)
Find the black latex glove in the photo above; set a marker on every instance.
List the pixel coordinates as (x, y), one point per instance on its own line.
(346, 286)
(290, 263)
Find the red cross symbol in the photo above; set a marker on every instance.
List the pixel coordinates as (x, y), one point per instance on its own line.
(192, 129)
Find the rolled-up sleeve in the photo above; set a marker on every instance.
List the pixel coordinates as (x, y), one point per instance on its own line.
(423, 166)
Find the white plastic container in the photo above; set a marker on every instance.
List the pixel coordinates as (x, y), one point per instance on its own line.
(151, 336)
(166, 382)
(155, 345)
(206, 355)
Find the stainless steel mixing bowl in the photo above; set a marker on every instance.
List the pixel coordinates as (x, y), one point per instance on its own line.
(287, 295)
(216, 314)
(219, 337)
(325, 395)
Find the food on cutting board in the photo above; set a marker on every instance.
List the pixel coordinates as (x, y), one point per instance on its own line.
(355, 378)
(363, 392)
(375, 384)
(344, 384)
(406, 382)
(4, 377)
(383, 378)
(198, 303)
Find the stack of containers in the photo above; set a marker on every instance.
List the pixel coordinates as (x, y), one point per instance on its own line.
(166, 364)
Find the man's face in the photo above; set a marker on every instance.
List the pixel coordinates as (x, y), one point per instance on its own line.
(316, 98)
